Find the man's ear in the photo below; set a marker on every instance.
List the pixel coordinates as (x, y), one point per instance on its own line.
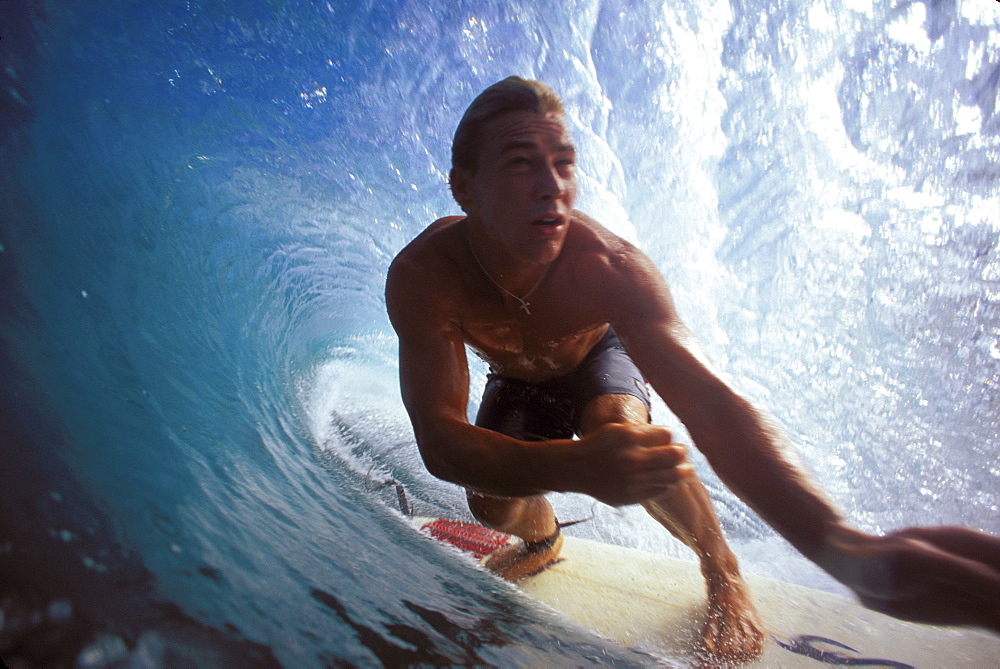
(460, 182)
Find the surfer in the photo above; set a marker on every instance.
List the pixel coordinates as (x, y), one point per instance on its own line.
(573, 321)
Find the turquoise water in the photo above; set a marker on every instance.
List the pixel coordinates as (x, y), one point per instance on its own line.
(202, 438)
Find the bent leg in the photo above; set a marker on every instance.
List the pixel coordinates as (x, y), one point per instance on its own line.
(520, 410)
(530, 518)
(733, 629)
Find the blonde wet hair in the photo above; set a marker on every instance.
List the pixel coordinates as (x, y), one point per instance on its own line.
(509, 95)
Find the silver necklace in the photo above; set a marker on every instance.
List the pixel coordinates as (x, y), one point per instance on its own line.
(523, 301)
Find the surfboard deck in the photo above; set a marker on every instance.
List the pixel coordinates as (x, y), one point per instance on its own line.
(656, 604)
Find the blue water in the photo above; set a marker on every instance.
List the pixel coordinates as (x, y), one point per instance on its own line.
(201, 433)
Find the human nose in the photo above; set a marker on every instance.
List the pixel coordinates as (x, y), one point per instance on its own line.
(551, 184)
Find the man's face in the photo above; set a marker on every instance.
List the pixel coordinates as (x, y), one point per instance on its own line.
(523, 190)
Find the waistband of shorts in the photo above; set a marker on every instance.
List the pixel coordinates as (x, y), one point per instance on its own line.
(609, 340)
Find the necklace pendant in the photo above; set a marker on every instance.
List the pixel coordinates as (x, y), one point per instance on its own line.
(522, 301)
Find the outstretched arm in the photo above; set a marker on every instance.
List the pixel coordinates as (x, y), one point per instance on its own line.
(944, 575)
(745, 448)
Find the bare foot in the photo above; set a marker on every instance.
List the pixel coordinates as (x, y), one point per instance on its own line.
(733, 631)
(522, 559)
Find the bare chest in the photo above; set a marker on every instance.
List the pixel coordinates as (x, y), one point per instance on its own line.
(549, 342)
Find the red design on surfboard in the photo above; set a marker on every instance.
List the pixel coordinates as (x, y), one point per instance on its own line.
(471, 538)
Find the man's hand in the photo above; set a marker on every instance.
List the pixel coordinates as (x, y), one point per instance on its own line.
(936, 575)
(621, 464)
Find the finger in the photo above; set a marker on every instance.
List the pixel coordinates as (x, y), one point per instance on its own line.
(669, 476)
(651, 435)
(661, 457)
(924, 566)
(940, 608)
(961, 541)
(975, 578)
(678, 473)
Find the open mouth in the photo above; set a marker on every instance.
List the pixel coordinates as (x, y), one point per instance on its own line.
(547, 222)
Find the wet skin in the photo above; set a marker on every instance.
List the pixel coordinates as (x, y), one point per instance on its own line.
(454, 285)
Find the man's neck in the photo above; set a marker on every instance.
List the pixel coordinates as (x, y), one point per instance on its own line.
(514, 276)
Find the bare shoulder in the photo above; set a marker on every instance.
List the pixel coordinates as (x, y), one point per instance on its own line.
(425, 272)
(615, 273)
(601, 253)
(431, 245)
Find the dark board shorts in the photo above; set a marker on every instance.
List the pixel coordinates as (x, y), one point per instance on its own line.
(552, 409)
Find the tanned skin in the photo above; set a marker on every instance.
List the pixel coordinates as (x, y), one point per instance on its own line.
(522, 227)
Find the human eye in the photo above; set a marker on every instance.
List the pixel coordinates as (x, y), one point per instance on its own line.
(566, 156)
(519, 162)
(566, 163)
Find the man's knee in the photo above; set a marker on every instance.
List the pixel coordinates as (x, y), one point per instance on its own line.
(493, 511)
(530, 518)
(605, 409)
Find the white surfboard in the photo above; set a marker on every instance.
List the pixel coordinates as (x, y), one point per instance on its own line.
(656, 604)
